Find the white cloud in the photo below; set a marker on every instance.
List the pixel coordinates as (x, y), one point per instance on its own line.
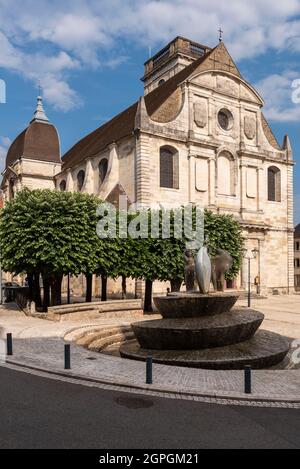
(49, 38)
(4, 144)
(277, 91)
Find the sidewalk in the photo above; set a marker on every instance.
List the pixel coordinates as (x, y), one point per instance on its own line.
(38, 344)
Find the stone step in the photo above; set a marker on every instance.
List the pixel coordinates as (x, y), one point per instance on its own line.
(72, 335)
(100, 333)
(100, 344)
(94, 314)
(100, 306)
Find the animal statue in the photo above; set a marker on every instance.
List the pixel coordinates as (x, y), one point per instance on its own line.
(189, 270)
(220, 263)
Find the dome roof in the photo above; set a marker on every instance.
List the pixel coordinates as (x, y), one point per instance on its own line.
(39, 141)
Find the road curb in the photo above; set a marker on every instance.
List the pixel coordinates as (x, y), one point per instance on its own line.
(220, 397)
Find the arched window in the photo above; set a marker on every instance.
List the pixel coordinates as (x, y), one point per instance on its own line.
(274, 184)
(62, 185)
(103, 166)
(11, 189)
(169, 168)
(80, 179)
(226, 174)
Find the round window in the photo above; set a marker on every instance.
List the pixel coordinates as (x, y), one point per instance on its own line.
(225, 119)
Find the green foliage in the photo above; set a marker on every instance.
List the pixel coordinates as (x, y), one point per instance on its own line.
(54, 232)
(51, 232)
(224, 232)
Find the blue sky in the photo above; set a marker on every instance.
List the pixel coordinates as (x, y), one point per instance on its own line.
(88, 56)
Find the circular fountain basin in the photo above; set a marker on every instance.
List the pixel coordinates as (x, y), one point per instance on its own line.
(194, 305)
(198, 333)
(264, 350)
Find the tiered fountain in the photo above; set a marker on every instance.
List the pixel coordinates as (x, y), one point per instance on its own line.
(205, 330)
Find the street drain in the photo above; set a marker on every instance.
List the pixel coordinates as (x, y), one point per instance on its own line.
(91, 358)
(134, 402)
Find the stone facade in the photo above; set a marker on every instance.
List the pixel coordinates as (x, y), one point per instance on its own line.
(297, 257)
(229, 161)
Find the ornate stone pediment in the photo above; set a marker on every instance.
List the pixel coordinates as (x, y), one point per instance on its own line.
(200, 114)
(250, 127)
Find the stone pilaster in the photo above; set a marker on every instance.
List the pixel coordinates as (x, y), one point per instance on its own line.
(212, 181)
(143, 193)
(243, 186)
(192, 178)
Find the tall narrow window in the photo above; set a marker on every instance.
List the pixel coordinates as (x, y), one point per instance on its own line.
(103, 165)
(169, 168)
(62, 185)
(274, 184)
(80, 179)
(11, 189)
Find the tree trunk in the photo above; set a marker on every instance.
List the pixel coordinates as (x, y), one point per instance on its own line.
(68, 291)
(56, 290)
(176, 285)
(89, 288)
(37, 290)
(124, 287)
(30, 286)
(148, 297)
(103, 288)
(46, 296)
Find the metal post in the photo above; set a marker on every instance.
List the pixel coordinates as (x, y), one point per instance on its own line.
(67, 356)
(248, 383)
(9, 344)
(149, 363)
(249, 282)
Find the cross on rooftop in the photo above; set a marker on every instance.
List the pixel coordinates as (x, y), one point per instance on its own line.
(221, 34)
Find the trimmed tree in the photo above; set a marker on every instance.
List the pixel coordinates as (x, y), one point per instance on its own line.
(50, 233)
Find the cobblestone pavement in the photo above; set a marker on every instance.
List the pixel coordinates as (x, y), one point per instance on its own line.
(38, 344)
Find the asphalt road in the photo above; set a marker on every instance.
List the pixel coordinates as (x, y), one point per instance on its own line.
(37, 412)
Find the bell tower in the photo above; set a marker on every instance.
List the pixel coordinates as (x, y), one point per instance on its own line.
(170, 60)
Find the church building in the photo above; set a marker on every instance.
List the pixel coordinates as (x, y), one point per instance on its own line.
(197, 135)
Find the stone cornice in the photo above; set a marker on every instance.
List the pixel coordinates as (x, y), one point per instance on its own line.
(264, 157)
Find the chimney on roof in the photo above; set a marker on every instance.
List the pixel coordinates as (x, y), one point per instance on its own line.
(170, 60)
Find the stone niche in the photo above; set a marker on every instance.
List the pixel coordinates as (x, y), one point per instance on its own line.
(201, 174)
(201, 113)
(251, 182)
(250, 126)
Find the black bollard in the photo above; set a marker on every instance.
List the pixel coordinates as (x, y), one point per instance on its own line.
(67, 356)
(149, 369)
(248, 386)
(9, 344)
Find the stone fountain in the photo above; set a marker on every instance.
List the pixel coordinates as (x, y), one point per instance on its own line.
(205, 330)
